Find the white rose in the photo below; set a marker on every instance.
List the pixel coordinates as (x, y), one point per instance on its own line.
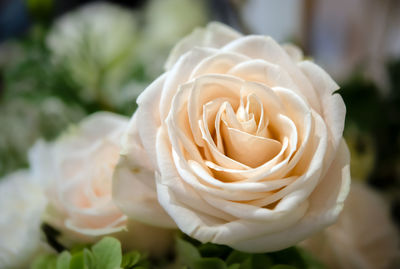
(78, 169)
(22, 203)
(363, 237)
(246, 139)
(96, 44)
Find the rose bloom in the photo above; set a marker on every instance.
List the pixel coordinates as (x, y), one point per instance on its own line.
(246, 140)
(22, 203)
(77, 170)
(363, 237)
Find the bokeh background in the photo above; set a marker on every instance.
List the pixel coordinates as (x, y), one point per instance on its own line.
(63, 59)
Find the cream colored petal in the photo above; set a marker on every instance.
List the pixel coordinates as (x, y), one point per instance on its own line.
(215, 35)
(265, 48)
(333, 107)
(325, 202)
(264, 72)
(205, 228)
(171, 181)
(202, 188)
(179, 75)
(134, 193)
(249, 174)
(207, 88)
(293, 51)
(314, 158)
(262, 186)
(148, 116)
(220, 63)
(249, 149)
(131, 145)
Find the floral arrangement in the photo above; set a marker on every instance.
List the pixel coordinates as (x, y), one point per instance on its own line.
(234, 158)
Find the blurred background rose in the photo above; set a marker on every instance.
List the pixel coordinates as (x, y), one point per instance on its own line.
(63, 59)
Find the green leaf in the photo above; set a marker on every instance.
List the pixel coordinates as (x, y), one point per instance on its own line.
(283, 266)
(130, 259)
(234, 266)
(261, 261)
(209, 263)
(45, 262)
(77, 261)
(107, 253)
(237, 257)
(289, 256)
(311, 261)
(247, 264)
(63, 260)
(89, 259)
(214, 250)
(187, 253)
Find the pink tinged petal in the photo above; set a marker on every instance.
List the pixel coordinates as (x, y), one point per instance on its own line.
(265, 48)
(333, 107)
(215, 35)
(148, 117)
(101, 124)
(113, 227)
(325, 204)
(134, 192)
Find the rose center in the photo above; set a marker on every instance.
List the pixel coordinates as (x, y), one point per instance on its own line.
(244, 135)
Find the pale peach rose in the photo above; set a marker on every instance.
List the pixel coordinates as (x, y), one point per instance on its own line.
(77, 170)
(364, 237)
(246, 140)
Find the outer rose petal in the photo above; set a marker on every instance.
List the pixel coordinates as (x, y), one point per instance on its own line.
(333, 107)
(134, 183)
(363, 237)
(215, 35)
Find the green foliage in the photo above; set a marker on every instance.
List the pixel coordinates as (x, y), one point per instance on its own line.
(106, 254)
(194, 255)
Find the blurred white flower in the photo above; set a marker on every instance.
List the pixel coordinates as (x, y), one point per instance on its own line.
(97, 45)
(22, 203)
(363, 237)
(166, 22)
(26, 121)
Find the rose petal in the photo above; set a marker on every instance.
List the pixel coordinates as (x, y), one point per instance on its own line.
(261, 47)
(249, 149)
(215, 35)
(333, 107)
(295, 53)
(133, 182)
(325, 202)
(148, 116)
